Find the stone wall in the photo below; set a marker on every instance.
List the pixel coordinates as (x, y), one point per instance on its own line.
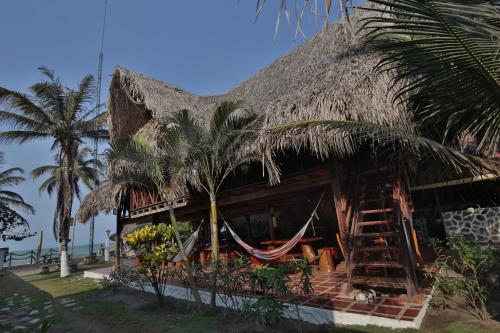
(480, 224)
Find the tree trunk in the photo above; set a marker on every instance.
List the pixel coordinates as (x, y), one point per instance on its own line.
(215, 249)
(67, 202)
(185, 260)
(118, 242)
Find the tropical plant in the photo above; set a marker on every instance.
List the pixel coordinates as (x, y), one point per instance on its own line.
(12, 225)
(136, 164)
(466, 270)
(64, 115)
(266, 310)
(207, 155)
(155, 245)
(269, 283)
(448, 52)
(85, 170)
(124, 278)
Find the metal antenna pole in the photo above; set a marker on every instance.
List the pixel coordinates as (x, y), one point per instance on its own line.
(98, 108)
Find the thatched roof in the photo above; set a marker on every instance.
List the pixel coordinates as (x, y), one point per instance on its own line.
(328, 77)
(104, 198)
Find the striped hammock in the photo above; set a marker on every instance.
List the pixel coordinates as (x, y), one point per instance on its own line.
(188, 245)
(270, 255)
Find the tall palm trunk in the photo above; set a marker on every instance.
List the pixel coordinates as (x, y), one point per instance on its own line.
(215, 248)
(185, 260)
(67, 202)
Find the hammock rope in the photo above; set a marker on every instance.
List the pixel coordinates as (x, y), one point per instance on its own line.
(188, 245)
(269, 255)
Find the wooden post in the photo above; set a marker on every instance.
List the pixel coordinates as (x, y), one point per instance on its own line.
(399, 201)
(272, 223)
(39, 249)
(118, 242)
(339, 201)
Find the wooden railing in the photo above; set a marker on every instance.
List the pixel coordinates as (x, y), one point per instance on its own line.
(141, 199)
(145, 203)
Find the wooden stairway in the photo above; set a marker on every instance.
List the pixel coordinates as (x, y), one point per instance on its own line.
(380, 252)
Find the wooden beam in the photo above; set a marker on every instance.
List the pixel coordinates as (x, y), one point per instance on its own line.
(488, 176)
(337, 199)
(272, 222)
(118, 242)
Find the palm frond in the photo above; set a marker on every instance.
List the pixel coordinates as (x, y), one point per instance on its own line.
(38, 172)
(452, 48)
(383, 140)
(8, 179)
(22, 122)
(9, 198)
(19, 101)
(22, 136)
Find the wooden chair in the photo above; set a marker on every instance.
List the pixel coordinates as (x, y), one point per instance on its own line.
(203, 257)
(309, 254)
(326, 260)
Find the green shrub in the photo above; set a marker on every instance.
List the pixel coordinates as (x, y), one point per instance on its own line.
(265, 310)
(468, 271)
(155, 245)
(123, 278)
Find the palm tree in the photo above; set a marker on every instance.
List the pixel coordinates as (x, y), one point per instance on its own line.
(85, 170)
(207, 155)
(448, 52)
(135, 164)
(63, 115)
(10, 220)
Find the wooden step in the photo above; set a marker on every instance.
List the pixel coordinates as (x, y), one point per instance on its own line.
(379, 249)
(376, 211)
(370, 223)
(379, 264)
(377, 234)
(379, 281)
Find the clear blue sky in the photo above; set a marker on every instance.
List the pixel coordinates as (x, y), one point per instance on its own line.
(202, 46)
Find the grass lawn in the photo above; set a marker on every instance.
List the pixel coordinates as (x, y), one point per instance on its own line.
(76, 304)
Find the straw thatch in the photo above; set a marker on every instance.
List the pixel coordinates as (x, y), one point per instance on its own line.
(329, 77)
(104, 198)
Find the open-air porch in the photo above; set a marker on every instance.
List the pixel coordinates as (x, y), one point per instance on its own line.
(365, 263)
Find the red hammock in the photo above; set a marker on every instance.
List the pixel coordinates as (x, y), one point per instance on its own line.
(274, 254)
